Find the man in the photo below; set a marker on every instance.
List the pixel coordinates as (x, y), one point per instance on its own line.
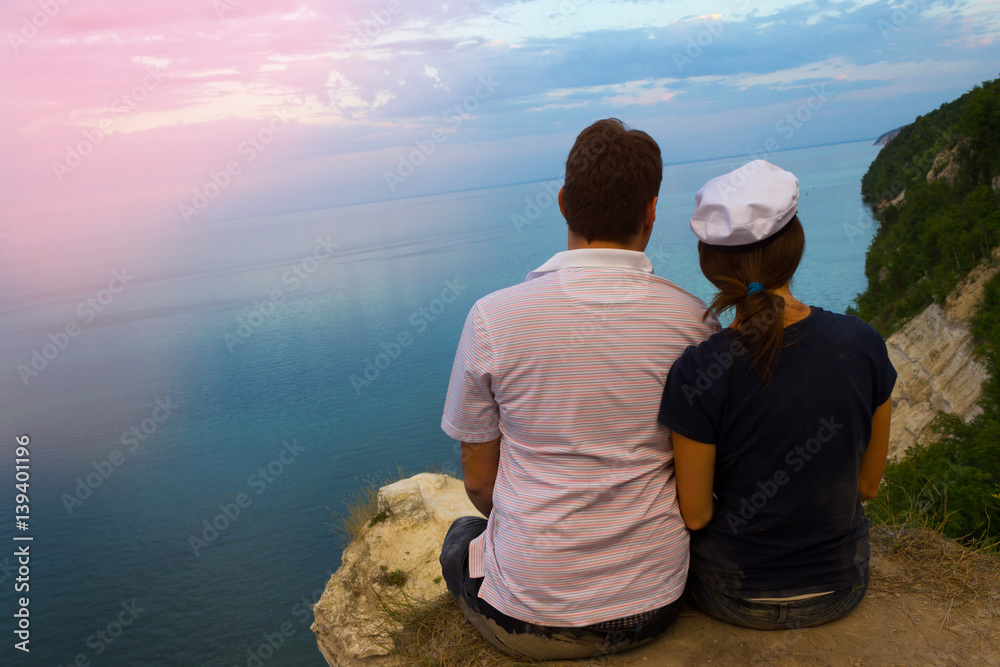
(554, 396)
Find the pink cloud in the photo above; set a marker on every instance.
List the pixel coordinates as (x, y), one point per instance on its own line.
(115, 109)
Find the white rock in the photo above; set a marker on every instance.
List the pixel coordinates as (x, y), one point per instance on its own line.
(934, 356)
(419, 510)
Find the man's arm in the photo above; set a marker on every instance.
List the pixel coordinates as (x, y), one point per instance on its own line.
(480, 463)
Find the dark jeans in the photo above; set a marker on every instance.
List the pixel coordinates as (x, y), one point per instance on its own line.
(527, 640)
(777, 615)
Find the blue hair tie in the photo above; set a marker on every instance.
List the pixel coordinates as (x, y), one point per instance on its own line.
(755, 287)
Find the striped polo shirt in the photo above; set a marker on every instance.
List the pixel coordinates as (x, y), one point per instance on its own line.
(569, 367)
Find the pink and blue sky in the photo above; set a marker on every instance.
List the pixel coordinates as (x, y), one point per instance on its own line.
(116, 114)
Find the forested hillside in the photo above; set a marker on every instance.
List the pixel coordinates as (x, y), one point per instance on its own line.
(946, 166)
(944, 227)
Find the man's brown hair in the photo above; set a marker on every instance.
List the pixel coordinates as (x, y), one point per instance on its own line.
(612, 173)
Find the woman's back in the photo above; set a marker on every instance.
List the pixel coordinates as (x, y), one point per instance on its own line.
(788, 519)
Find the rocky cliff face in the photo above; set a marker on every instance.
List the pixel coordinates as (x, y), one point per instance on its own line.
(394, 558)
(887, 137)
(934, 357)
(946, 166)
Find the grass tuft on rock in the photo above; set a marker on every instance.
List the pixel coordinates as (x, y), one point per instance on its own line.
(435, 633)
(361, 510)
(395, 578)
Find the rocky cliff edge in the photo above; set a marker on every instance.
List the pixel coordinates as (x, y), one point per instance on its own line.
(931, 602)
(395, 556)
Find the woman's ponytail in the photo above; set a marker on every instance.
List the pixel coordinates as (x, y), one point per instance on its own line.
(746, 283)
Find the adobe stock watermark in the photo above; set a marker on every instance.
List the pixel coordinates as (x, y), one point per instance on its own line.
(88, 309)
(696, 45)
(709, 33)
(796, 458)
(794, 120)
(453, 118)
(863, 225)
(372, 28)
(535, 206)
(616, 642)
(123, 105)
(786, 126)
(259, 482)
(565, 9)
(101, 639)
(294, 277)
(662, 254)
(248, 150)
(6, 569)
(273, 642)
(32, 25)
(724, 359)
(554, 539)
(448, 466)
(131, 440)
(419, 320)
(582, 159)
(779, 643)
(899, 17)
(917, 165)
(223, 7)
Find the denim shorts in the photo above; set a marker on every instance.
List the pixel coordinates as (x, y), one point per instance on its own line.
(527, 640)
(778, 615)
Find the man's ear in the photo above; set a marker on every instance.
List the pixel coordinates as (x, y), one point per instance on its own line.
(647, 223)
(562, 207)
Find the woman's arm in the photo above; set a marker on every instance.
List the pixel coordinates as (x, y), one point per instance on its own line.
(873, 460)
(694, 464)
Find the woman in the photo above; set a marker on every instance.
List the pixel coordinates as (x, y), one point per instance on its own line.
(780, 422)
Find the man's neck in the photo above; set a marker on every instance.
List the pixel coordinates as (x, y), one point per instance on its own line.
(576, 242)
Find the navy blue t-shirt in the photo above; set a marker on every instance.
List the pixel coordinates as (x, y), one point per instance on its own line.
(788, 518)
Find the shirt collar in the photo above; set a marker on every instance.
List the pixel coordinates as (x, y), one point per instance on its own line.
(604, 258)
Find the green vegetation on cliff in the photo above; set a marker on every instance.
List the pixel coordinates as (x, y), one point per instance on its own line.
(954, 483)
(942, 228)
(925, 245)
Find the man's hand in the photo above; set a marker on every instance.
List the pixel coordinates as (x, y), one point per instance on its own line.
(480, 463)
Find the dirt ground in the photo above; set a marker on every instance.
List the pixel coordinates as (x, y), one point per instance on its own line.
(885, 629)
(928, 604)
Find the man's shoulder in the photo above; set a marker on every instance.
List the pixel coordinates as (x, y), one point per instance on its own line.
(507, 298)
(675, 291)
(551, 287)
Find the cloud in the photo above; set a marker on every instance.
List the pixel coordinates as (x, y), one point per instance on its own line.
(363, 81)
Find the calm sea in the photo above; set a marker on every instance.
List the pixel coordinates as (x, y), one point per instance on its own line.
(235, 367)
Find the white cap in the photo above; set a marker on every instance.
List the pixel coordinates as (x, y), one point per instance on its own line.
(745, 206)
